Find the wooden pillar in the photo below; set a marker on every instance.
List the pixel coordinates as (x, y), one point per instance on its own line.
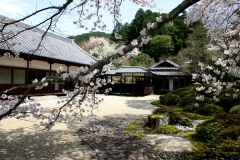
(132, 83)
(121, 84)
(164, 78)
(12, 78)
(50, 74)
(27, 70)
(67, 83)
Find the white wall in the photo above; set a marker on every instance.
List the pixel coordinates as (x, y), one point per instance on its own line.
(6, 61)
(57, 65)
(39, 65)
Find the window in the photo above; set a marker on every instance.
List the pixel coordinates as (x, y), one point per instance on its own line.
(116, 79)
(19, 76)
(5, 76)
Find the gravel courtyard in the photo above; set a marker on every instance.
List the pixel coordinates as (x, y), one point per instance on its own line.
(22, 139)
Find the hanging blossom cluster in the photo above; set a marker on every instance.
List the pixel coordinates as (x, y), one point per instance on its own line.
(146, 38)
(221, 17)
(103, 51)
(81, 100)
(7, 38)
(87, 12)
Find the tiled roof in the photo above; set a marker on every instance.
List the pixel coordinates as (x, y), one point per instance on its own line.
(167, 73)
(53, 46)
(165, 60)
(127, 70)
(132, 69)
(111, 71)
(164, 69)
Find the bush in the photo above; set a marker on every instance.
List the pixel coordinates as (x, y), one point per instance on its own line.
(170, 99)
(227, 102)
(232, 132)
(226, 149)
(208, 100)
(181, 92)
(167, 129)
(189, 99)
(190, 108)
(235, 109)
(209, 109)
(185, 122)
(227, 119)
(207, 130)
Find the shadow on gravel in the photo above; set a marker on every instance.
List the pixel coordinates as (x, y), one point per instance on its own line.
(19, 145)
(140, 104)
(107, 139)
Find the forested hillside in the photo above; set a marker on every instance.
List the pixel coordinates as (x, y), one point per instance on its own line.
(166, 42)
(86, 36)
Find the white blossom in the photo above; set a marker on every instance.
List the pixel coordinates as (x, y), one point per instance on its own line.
(134, 42)
(159, 19)
(200, 98)
(118, 36)
(143, 32)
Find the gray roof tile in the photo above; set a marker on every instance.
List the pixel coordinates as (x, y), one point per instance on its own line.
(53, 46)
(132, 69)
(168, 61)
(167, 73)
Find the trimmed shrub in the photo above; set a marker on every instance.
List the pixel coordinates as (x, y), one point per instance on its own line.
(235, 109)
(190, 108)
(208, 100)
(232, 132)
(185, 122)
(181, 92)
(227, 102)
(189, 99)
(209, 109)
(170, 99)
(207, 130)
(226, 149)
(227, 119)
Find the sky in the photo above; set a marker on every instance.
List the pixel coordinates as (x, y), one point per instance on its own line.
(19, 8)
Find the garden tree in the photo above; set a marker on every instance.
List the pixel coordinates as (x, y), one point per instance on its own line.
(223, 30)
(123, 30)
(79, 39)
(179, 30)
(221, 16)
(143, 60)
(94, 42)
(161, 46)
(196, 50)
(104, 50)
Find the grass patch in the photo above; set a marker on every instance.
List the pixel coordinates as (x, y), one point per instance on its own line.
(157, 116)
(191, 136)
(156, 103)
(136, 129)
(167, 129)
(194, 116)
(180, 111)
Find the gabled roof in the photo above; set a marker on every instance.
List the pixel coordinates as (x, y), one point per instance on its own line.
(53, 46)
(132, 69)
(160, 64)
(167, 73)
(172, 70)
(127, 70)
